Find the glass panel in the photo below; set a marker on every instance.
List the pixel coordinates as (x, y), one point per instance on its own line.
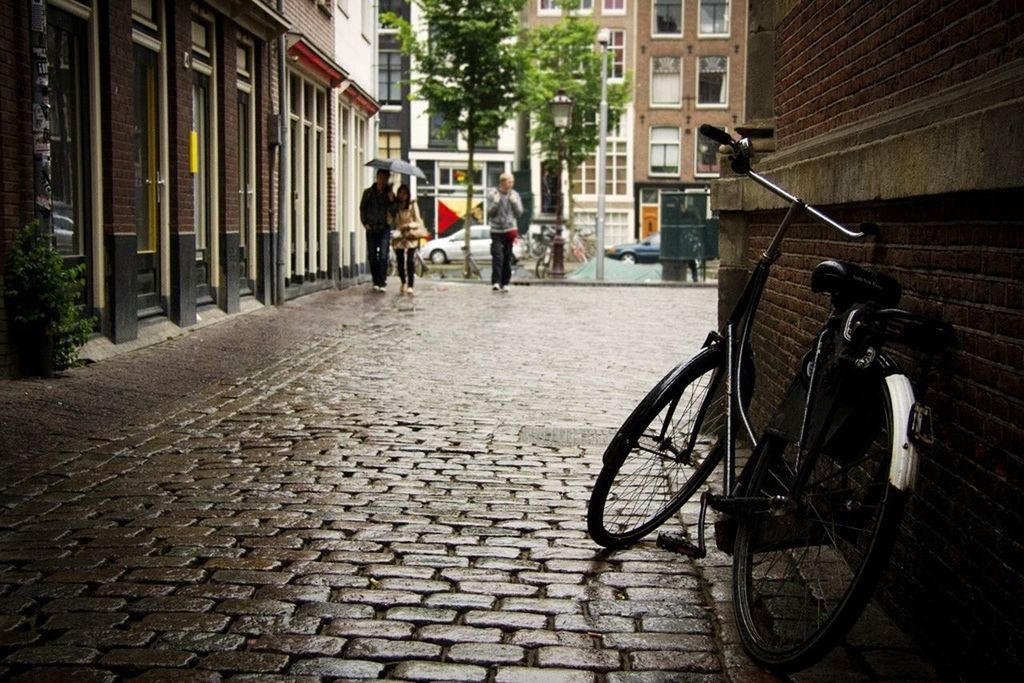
(665, 83)
(390, 77)
(144, 9)
(707, 156)
(712, 86)
(668, 16)
(617, 45)
(201, 180)
(244, 177)
(664, 150)
(145, 139)
(67, 167)
(714, 16)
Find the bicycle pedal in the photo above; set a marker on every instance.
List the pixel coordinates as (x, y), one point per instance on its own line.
(675, 543)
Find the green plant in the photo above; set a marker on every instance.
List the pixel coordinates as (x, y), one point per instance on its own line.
(42, 296)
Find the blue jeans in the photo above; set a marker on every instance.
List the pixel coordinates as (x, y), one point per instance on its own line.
(378, 245)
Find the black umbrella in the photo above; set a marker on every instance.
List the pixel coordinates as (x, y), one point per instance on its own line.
(397, 166)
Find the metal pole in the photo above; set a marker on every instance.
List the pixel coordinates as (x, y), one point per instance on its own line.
(602, 154)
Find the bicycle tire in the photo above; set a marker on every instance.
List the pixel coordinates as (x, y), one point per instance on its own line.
(543, 266)
(801, 577)
(643, 481)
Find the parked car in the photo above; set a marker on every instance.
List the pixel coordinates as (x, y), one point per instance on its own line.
(449, 247)
(644, 251)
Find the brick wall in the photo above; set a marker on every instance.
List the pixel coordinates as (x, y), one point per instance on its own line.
(311, 21)
(15, 145)
(117, 117)
(839, 61)
(955, 578)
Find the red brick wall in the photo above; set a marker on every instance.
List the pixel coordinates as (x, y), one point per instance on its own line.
(15, 144)
(955, 577)
(227, 117)
(117, 117)
(839, 61)
(312, 21)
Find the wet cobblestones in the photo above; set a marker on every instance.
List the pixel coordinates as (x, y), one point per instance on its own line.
(369, 487)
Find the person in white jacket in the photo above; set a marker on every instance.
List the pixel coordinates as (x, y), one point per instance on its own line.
(503, 212)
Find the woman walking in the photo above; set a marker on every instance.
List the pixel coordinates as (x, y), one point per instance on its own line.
(406, 241)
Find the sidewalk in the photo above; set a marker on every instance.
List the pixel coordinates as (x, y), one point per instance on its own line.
(364, 486)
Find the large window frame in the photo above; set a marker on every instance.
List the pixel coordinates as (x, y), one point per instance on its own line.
(660, 21)
(247, 182)
(719, 11)
(389, 77)
(308, 120)
(660, 67)
(609, 8)
(703, 149)
(617, 50)
(662, 150)
(704, 86)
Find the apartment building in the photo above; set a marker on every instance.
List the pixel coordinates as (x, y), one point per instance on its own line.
(146, 136)
(618, 16)
(690, 63)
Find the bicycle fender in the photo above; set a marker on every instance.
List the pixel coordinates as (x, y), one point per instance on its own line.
(903, 470)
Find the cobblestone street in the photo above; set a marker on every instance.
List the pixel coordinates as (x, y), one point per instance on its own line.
(365, 486)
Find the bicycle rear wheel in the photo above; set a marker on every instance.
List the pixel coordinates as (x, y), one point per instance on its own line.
(662, 453)
(543, 265)
(803, 573)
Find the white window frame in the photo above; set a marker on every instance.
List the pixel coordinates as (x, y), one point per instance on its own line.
(728, 21)
(650, 156)
(654, 22)
(666, 105)
(612, 78)
(555, 10)
(696, 158)
(711, 105)
(613, 12)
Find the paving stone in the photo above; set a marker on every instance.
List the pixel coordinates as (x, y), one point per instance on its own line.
(106, 638)
(259, 625)
(176, 675)
(344, 669)
(389, 650)
(422, 615)
(515, 674)
(304, 646)
(503, 619)
(83, 620)
(486, 653)
(258, 662)
(48, 674)
(578, 658)
(433, 671)
(541, 605)
(197, 641)
(460, 601)
(693, 662)
(52, 654)
(579, 622)
(371, 628)
(145, 658)
(182, 621)
(657, 641)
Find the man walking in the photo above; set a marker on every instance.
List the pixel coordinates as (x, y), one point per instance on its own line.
(377, 203)
(505, 208)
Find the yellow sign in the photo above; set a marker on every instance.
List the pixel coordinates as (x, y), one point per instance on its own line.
(193, 152)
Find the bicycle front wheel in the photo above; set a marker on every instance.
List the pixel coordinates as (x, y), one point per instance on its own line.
(542, 267)
(663, 452)
(803, 572)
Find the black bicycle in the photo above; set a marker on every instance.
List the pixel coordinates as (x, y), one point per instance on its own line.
(811, 517)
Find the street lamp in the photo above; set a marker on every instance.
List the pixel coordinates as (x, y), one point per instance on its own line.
(604, 38)
(561, 114)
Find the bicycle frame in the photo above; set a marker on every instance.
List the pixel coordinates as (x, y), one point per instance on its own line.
(735, 332)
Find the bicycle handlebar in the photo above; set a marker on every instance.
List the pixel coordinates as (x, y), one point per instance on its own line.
(740, 159)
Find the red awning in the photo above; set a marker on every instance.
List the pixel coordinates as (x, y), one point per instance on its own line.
(316, 61)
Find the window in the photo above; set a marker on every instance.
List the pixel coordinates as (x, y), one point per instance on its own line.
(553, 7)
(714, 18)
(666, 83)
(389, 144)
(246, 170)
(584, 180)
(614, 7)
(453, 176)
(437, 138)
(389, 77)
(668, 17)
(713, 81)
(665, 151)
(705, 160)
(617, 47)
(384, 6)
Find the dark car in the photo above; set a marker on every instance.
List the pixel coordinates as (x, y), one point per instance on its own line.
(644, 251)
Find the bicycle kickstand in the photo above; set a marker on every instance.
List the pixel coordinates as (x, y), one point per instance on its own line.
(677, 543)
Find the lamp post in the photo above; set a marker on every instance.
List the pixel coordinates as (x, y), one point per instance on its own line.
(603, 37)
(561, 114)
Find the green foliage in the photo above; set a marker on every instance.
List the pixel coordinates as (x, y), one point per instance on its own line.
(468, 68)
(42, 295)
(566, 56)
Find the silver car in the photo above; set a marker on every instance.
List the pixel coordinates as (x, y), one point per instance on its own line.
(449, 247)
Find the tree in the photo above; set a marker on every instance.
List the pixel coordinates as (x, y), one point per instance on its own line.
(468, 68)
(562, 56)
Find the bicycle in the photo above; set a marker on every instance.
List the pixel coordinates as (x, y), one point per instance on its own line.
(811, 517)
(542, 268)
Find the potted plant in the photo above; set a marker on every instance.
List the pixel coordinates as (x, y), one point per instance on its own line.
(42, 297)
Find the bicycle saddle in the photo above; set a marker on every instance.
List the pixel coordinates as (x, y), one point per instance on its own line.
(849, 283)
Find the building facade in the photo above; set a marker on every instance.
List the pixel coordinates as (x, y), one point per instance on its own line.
(908, 115)
(619, 18)
(690, 65)
(158, 130)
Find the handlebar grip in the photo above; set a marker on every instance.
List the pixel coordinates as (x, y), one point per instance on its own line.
(716, 134)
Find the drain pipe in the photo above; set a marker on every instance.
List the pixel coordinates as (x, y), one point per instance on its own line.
(284, 214)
